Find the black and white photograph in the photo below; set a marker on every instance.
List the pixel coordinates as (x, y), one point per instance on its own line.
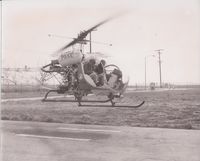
(100, 80)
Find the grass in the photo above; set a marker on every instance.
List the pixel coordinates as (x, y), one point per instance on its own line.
(167, 109)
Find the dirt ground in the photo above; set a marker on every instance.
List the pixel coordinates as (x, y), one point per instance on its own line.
(166, 109)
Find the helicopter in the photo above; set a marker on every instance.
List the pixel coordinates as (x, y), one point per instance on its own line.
(73, 66)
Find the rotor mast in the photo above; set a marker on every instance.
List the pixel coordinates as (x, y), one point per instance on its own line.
(90, 34)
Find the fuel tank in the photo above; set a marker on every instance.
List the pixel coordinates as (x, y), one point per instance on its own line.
(69, 58)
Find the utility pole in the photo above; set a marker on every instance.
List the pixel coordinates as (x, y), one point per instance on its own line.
(159, 61)
(145, 73)
(145, 70)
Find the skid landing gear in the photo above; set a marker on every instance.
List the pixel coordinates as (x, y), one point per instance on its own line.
(78, 99)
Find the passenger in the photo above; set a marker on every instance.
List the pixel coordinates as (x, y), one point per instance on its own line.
(89, 69)
(100, 71)
(89, 66)
(100, 67)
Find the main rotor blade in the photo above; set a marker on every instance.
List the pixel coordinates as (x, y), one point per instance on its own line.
(85, 33)
(59, 36)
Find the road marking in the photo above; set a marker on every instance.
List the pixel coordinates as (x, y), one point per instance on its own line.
(52, 137)
(94, 130)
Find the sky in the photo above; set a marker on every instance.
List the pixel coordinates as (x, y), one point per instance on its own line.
(147, 25)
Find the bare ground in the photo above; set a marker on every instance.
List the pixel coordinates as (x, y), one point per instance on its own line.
(166, 109)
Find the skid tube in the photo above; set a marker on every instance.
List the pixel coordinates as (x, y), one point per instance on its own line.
(123, 106)
(79, 101)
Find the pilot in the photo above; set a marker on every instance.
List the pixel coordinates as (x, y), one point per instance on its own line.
(115, 80)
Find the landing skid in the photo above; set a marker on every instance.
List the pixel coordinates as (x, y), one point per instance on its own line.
(79, 100)
(125, 106)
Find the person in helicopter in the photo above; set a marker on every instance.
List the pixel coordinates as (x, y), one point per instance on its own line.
(70, 76)
(115, 79)
(100, 72)
(89, 66)
(89, 69)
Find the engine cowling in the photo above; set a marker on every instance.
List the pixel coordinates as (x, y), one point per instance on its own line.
(69, 58)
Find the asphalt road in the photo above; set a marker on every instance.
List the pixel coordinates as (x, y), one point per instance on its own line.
(35, 141)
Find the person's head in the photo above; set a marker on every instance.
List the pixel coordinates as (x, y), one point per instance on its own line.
(92, 61)
(103, 62)
(74, 66)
